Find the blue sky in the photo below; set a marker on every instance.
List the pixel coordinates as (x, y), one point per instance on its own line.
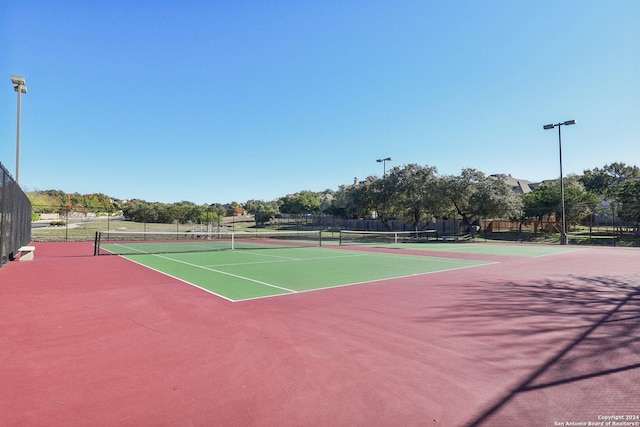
(220, 101)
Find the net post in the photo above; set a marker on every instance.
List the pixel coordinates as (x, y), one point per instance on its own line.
(233, 245)
(96, 244)
(340, 238)
(320, 238)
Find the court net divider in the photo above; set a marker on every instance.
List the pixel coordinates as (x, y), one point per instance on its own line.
(352, 237)
(122, 242)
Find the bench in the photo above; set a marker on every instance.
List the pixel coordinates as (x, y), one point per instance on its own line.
(26, 253)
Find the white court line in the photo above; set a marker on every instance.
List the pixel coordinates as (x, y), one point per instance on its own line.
(248, 279)
(287, 259)
(292, 291)
(169, 245)
(370, 281)
(267, 255)
(129, 248)
(180, 279)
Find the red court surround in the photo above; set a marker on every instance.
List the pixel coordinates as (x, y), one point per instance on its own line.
(101, 341)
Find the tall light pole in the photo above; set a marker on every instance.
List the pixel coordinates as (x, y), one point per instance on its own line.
(563, 233)
(19, 86)
(384, 165)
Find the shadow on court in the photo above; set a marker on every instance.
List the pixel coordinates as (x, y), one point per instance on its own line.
(573, 344)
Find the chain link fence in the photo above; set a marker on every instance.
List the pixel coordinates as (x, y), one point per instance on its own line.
(15, 217)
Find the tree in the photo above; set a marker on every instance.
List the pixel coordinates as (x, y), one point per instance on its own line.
(360, 198)
(47, 201)
(99, 202)
(415, 194)
(542, 202)
(628, 195)
(186, 212)
(234, 208)
(382, 201)
(267, 212)
(326, 201)
(615, 182)
(545, 200)
(215, 213)
(165, 213)
(262, 211)
(304, 202)
(182, 212)
(252, 205)
(603, 181)
(493, 197)
(579, 203)
(473, 196)
(342, 204)
(146, 213)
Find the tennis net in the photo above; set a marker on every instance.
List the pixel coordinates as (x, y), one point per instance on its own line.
(120, 242)
(351, 237)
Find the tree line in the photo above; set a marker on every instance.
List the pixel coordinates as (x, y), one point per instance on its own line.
(413, 194)
(57, 200)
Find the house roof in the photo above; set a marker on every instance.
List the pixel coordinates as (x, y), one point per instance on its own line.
(520, 186)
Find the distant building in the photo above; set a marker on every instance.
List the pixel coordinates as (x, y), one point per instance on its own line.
(519, 186)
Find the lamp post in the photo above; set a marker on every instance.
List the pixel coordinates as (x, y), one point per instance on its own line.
(563, 233)
(384, 165)
(19, 86)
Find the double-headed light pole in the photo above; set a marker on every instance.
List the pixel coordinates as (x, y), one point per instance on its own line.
(384, 165)
(563, 234)
(19, 86)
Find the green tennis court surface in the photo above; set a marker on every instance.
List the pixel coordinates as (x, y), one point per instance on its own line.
(247, 274)
(499, 249)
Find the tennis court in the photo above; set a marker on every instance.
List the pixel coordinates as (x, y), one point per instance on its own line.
(247, 274)
(427, 334)
(242, 266)
(479, 248)
(427, 241)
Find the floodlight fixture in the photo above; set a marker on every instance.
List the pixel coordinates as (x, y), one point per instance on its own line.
(384, 165)
(19, 84)
(563, 233)
(567, 123)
